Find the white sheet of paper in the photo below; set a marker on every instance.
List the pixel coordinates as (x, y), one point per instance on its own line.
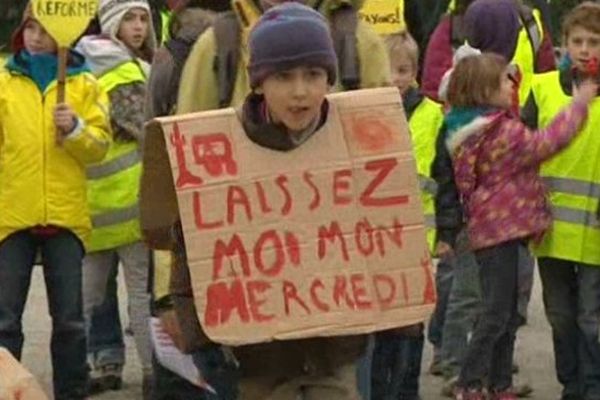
(173, 359)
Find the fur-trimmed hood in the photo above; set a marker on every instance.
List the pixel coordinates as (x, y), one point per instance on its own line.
(465, 123)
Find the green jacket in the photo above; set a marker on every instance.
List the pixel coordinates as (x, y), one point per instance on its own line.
(198, 90)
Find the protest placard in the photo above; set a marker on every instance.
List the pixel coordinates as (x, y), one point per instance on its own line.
(16, 383)
(324, 240)
(65, 21)
(386, 16)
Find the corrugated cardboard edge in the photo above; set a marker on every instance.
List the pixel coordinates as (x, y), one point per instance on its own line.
(158, 200)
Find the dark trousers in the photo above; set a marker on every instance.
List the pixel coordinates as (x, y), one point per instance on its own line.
(443, 284)
(105, 341)
(170, 386)
(396, 366)
(62, 254)
(572, 301)
(491, 349)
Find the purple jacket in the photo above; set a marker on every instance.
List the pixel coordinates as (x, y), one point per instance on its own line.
(496, 159)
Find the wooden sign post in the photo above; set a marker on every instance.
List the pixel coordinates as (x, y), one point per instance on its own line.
(65, 21)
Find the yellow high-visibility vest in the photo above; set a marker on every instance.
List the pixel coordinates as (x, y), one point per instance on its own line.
(113, 184)
(425, 124)
(573, 180)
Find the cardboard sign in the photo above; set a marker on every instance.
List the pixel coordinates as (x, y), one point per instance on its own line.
(386, 16)
(327, 239)
(65, 20)
(16, 382)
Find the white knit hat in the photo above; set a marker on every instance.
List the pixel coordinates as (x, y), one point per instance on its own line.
(463, 51)
(111, 13)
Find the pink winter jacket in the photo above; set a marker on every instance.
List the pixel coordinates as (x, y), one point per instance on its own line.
(439, 53)
(496, 159)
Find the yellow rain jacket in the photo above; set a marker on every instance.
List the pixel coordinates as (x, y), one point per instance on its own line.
(42, 183)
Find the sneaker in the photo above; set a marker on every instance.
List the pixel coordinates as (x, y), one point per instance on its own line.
(504, 395)
(522, 390)
(449, 387)
(468, 394)
(105, 378)
(436, 368)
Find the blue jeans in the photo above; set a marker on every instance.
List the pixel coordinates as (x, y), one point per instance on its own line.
(571, 294)
(105, 340)
(62, 254)
(443, 285)
(364, 370)
(464, 305)
(490, 352)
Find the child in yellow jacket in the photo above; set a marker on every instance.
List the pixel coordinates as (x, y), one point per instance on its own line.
(44, 148)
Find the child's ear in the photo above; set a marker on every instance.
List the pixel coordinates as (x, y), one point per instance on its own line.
(259, 90)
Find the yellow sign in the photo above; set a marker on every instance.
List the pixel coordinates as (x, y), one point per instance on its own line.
(386, 16)
(65, 20)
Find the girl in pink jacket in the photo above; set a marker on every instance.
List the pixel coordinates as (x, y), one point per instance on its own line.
(496, 160)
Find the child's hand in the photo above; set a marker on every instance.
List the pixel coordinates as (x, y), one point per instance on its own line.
(65, 118)
(585, 92)
(443, 250)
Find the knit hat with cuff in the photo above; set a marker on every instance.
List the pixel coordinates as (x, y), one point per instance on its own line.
(288, 36)
(111, 13)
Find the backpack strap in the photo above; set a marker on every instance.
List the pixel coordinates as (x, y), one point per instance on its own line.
(228, 39)
(344, 24)
(457, 27)
(534, 31)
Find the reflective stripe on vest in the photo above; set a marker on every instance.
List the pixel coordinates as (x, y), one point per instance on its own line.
(573, 216)
(576, 188)
(573, 186)
(573, 180)
(113, 166)
(113, 184)
(430, 221)
(116, 217)
(425, 124)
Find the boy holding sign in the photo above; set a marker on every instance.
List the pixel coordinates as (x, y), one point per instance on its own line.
(285, 120)
(43, 193)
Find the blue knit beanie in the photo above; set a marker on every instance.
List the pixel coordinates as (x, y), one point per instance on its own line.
(493, 26)
(288, 36)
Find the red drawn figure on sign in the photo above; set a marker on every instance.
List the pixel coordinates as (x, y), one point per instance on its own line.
(372, 133)
(429, 295)
(185, 177)
(215, 153)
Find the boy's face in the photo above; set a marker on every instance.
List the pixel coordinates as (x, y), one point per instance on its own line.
(36, 39)
(134, 27)
(294, 97)
(403, 72)
(583, 45)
